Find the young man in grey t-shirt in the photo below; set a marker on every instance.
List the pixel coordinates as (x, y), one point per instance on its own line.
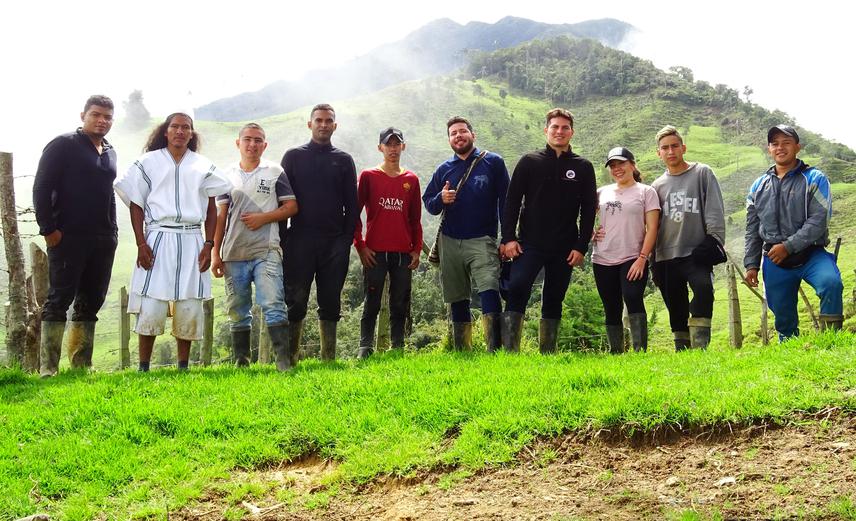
(246, 245)
(692, 222)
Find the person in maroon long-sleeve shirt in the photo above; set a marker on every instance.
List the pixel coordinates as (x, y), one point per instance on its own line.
(393, 241)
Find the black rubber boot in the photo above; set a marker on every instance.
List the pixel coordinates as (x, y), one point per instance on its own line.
(367, 337)
(279, 342)
(831, 322)
(682, 340)
(50, 347)
(327, 329)
(639, 331)
(699, 332)
(295, 333)
(462, 336)
(396, 332)
(512, 331)
(241, 347)
(615, 338)
(548, 335)
(492, 326)
(81, 339)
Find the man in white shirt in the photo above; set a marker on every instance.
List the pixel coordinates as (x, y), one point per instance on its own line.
(170, 191)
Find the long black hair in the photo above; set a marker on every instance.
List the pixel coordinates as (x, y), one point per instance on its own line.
(157, 139)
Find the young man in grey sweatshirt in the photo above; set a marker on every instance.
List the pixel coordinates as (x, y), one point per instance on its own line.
(692, 224)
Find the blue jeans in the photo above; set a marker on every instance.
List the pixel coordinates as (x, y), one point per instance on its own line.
(266, 274)
(781, 286)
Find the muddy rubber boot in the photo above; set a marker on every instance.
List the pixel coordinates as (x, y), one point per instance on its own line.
(367, 338)
(639, 331)
(462, 336)
(615, 338)
(699, 332)
(50, 348)
(492, 326)
(279, 337)
(548, 335)
(682, 340)
(830, 322)
(295, 335)
(81, 339)
(327, 329)
(241, 347)
(396, 333)
(512, 331)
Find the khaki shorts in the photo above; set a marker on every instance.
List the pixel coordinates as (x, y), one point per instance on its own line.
(464, 262)
(187, 318)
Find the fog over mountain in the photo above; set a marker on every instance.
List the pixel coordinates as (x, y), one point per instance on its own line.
(438, 47)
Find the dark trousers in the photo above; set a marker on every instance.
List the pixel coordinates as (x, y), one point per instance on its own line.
(79, 271)
(524, 271)
(374, 279)
(616, 291)
(673, 277)
(322, 259)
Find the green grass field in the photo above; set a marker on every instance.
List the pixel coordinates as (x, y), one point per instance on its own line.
(84, 446)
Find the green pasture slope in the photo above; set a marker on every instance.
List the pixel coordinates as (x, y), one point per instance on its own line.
(120, 445)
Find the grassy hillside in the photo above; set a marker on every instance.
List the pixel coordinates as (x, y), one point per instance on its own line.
(130, 445)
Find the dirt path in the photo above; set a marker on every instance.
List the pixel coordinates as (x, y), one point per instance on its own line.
(797, 472)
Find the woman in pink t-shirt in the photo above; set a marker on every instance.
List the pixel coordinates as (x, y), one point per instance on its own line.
(629, 213)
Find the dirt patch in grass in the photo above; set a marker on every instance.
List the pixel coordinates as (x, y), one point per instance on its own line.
(800, 471)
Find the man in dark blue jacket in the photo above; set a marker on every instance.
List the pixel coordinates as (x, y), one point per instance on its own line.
(76, 212)
(468, 244)
(317, 244)
(787, 217)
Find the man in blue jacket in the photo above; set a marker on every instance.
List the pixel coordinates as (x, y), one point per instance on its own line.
(787, 218)
(468, 238)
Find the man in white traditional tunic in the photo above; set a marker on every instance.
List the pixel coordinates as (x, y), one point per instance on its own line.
(170, 191)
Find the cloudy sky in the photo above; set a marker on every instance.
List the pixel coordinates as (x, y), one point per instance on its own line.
(54, 54)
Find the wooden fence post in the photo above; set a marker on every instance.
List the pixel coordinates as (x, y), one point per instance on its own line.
(765, 331)
(264, 342)
(16, 318)
(124, 330)
(208, 331)
(37, 295)
(765, 328)
(735, 322)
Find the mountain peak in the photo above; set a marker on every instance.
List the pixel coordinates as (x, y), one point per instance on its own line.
(438, 47)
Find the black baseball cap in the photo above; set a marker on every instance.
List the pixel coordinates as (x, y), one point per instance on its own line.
(621, 154)
(388, 133)
(783, 129)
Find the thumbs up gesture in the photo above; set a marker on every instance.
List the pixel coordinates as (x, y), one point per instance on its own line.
(447, 194)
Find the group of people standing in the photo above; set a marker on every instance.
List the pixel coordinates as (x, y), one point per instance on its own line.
(188, 216)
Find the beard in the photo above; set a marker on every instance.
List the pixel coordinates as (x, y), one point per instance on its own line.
(463, 149)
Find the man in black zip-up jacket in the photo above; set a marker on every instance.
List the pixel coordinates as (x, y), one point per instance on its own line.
(553, 196)
(76, 212)
(317, 244)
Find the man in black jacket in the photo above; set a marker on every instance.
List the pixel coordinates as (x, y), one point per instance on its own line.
(551, 191)
(76, 212)
(317, 244)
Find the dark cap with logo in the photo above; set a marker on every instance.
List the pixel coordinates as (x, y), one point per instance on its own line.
(783, 129)
(390, 132)
(621, 154)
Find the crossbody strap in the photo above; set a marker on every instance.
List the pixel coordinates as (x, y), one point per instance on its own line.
(460, 184)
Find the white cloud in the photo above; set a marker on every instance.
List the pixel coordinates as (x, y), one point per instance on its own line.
(794, 55)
